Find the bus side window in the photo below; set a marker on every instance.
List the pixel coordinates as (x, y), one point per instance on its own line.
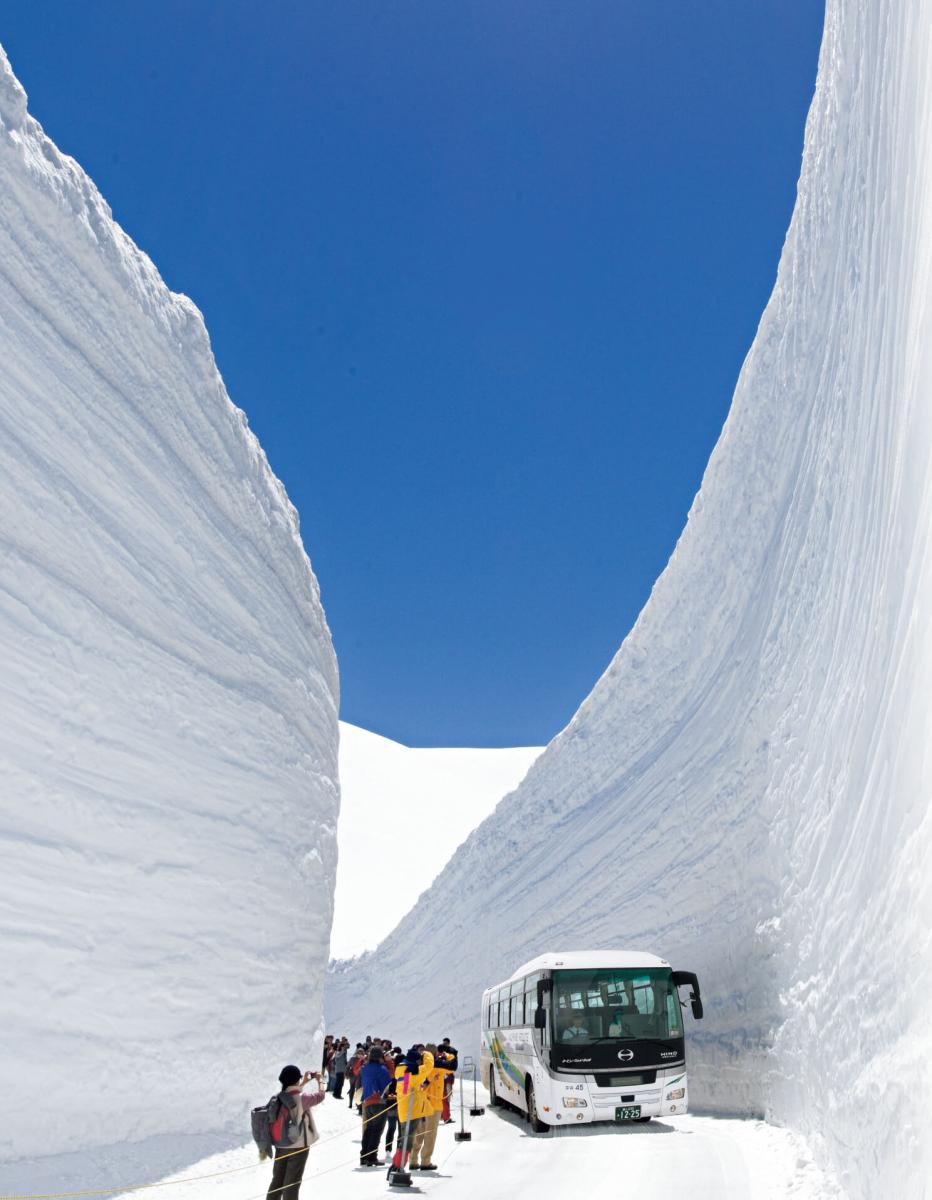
(517, 1003)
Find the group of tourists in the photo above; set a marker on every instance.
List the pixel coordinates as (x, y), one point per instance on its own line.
(401, 1095)
(386, 1084)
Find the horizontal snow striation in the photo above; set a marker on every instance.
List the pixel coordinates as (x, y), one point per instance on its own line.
(746, 790)
(168, 697)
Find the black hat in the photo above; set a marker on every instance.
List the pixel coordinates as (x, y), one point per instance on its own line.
(290, 1076)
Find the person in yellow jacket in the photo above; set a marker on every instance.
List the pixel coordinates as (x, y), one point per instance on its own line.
(411, 1079)
(423, 1149)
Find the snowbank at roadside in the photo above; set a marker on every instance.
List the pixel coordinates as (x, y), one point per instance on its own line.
(168, 697)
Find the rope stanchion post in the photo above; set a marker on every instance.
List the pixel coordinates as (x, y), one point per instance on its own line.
(399, 1176)
(462, 1134)
(477, 1109)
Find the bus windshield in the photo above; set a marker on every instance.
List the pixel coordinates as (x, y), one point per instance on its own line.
(596, 1005)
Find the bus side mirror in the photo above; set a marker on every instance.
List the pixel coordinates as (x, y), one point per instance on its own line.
(690, 980)
(540, 1018)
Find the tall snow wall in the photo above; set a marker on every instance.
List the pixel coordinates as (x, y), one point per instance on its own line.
(746, 790)
(168, 700)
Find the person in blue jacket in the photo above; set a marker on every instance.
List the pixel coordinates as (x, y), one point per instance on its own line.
(374, 1079)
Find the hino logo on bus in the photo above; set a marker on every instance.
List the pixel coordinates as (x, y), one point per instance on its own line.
(625, 1055)
(668, 1053)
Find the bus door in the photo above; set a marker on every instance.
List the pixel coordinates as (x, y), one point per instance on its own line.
(539, 1002)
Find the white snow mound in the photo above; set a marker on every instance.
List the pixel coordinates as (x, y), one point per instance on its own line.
(746, 790)
(401, 796)
(168, 697)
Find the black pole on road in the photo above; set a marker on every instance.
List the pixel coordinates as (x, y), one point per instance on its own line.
(477, 1110)
(462, 1135)
(398, 1176)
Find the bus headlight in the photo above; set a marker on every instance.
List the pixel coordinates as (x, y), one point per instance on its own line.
(574, 1102)
(677, 1095)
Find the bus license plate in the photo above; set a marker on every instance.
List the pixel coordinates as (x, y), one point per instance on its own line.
(628, 1112)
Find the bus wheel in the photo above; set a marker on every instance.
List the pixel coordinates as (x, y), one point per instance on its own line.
(494, 1098)
(534, 1121)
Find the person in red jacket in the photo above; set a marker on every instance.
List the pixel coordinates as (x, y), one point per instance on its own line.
(447, 1049)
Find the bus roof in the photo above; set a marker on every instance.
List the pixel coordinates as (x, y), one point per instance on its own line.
(589, 960)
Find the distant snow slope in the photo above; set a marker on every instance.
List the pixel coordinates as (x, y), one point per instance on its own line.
(394, 799)
(168, 697)
(746, 790)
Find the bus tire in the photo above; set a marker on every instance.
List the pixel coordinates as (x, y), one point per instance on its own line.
(536, 1124)
(495, 1100)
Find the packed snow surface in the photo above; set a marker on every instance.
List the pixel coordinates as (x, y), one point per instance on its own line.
(393, 797)
(168, 697)
(702, 1157)
(746, 790)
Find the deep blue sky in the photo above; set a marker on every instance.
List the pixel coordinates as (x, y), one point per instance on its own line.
(482, 274)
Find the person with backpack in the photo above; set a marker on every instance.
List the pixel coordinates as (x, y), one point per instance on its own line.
(442, 1068)
(447, 1049)
(373, 1080)
(291, 1130)
(421, 1063)
(410, 1076)
(392, 1058)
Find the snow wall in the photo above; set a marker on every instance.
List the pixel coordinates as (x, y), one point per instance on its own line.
(168, 698)
(746, 790)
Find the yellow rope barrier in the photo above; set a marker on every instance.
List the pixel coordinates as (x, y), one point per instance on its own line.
(142, 1187)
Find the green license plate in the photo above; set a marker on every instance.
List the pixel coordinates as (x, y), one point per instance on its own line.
(628, 1112)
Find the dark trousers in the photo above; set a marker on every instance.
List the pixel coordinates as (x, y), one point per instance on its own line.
(413, 1128)
(351, 1083)
(338, 1085)
(392, 1123)
(286, 1174)
(374, 1116)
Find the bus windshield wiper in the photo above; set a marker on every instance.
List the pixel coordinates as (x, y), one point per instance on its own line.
(665, 1042)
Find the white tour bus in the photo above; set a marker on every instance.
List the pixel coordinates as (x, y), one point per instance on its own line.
(588, 1036)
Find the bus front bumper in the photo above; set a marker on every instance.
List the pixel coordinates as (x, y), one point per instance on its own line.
(603, 1105)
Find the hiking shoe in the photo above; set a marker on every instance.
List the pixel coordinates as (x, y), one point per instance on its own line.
(429, 1167)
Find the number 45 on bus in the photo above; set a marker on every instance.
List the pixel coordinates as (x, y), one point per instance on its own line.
(588, 1036)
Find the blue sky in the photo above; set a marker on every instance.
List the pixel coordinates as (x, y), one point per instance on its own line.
(482, 274)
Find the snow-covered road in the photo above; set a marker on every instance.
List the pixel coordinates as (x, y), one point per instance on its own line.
(715, 1159)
